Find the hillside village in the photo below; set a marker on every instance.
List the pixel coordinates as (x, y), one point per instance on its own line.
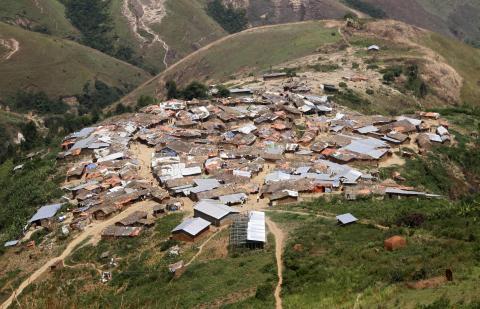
(320, 163)
(224, 161)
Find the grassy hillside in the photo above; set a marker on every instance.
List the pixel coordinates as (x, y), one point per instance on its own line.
(185, 28)
(46, 16)
(458, 18)
(464, 59)
(250, 51)
(59, 67)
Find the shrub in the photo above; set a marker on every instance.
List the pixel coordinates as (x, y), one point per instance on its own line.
(355, 65)
(223, 91)
(168, 244)
(231, 19)
(324, 67)
(370, 91)
(411, 220)
(342, 85)
(367, 8)
(264, 291)
(144, 100)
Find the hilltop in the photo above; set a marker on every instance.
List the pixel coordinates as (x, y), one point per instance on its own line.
(332, 51)
(452, 18)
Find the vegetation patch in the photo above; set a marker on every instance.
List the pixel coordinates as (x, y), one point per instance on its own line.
(231, 19)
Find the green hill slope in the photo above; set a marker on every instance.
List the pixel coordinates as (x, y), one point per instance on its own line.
(447, 66)
(248, 51)
(56, 66)
(162, 34)
(47, 16)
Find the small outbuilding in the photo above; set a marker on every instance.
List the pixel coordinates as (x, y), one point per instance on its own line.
(191, 229)
(44, 215)
(346, 219)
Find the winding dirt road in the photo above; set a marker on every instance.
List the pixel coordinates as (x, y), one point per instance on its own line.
(279, 245)
(91, 234)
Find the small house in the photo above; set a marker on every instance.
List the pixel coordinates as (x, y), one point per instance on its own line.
(121, 232)
(44, 215)
(191, 229)
(283, 197)
(213, 211)
(103, 213)
(137, 218)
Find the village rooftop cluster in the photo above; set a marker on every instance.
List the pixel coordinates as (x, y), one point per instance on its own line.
(232, 156)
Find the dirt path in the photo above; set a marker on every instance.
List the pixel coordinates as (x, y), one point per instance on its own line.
(200, 249)
(144, 154)
(92, 232)
(279, 245)
(12, 45)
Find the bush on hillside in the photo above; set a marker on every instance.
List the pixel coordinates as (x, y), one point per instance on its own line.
(231, 19)
(367, 8)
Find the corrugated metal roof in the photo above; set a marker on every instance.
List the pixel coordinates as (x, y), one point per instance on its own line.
(45, 212)
(204, 185)
(83, 132)
(235, 198)
(111, 157)
(367, 129)
(256, 227)
(213, 208)
(192, 226)
(346, 218)
(11, 243)
(277, 176)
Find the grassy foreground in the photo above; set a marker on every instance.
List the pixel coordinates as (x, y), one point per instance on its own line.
(141, 279)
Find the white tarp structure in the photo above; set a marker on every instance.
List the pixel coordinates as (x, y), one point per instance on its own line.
(256, 227)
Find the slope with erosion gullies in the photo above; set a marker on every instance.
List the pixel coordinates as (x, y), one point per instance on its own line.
(35, 62)
(163, 31)
(283, 11)
(330, 52)
(457, 18)
(46, 16)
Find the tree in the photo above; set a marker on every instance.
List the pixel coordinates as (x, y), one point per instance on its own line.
(223, 91)
(30, 133)
(195, 90)
(144, 100)
(231, 19)
(172, 91)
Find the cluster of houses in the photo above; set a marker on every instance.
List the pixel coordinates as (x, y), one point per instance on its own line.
(224, 153)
